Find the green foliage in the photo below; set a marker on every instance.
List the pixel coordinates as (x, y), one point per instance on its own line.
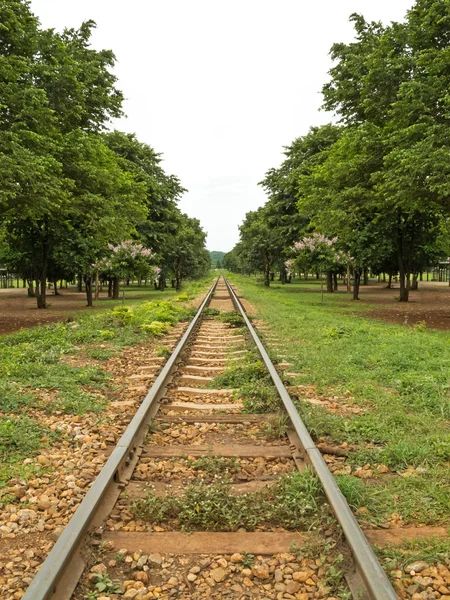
(292, 502)
(233, 318)
(20, 438)
(163, 351)
(253, 385)
(211, 312)
(104, 585)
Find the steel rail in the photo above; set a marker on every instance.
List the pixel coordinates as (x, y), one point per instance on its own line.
(45, 584)
(369, 569)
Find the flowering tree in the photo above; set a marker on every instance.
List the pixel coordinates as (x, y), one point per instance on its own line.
(125, 260)
(318, 252)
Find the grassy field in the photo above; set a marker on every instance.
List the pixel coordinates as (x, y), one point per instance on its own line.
(381, 389)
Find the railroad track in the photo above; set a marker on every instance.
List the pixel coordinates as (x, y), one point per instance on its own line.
(193, 459)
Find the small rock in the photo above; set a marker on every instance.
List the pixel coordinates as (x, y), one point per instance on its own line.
(292, 587)
(236, 558)
(261, 571)
(300, 576)
(99, 569)
(191, 577)
(417, 567)
(218, 574)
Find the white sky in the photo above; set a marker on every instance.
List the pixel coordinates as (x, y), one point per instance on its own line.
(219, 87)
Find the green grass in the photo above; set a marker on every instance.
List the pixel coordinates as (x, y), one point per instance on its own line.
(294, 502)
(20, 438)
(398, 375)
(429, 550)
(252, 382)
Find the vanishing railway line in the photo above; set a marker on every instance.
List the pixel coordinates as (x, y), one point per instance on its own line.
(184, 428)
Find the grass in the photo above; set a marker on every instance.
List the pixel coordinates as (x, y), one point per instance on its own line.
(397, 375)
(252, 382)
(294, 502)
(429, 550)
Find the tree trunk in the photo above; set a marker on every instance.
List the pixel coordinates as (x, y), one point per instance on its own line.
(116, 288)
(80, 283)
(31, 292)
(177, 280)
(317, 275)
(306, 274)
(349, 283)
(404, 279)
(389, 285)
(110, 288)
(267, 275)
(97, 285)
(335, 282)
(172, 283)
(41, 295)
(88, 287)
(415, 282)
(55, 287)
(329, 282)
(356, 283)
(366, 276)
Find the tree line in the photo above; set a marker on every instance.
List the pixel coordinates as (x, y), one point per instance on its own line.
(76, 199)
(374, 185)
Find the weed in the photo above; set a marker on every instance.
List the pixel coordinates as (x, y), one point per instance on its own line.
(232, 318)
(20, 437)
(259, 397)
(100, 354)
(247, 560)
(292, 502)
(118, 557)
(211, 312)
(276, 427)
(104, 585)
(163, 351)
(430, 550)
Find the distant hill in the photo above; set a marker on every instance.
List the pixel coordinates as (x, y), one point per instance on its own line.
(216, 256)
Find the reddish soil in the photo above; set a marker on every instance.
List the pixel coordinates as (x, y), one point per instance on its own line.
(430, 303)
(17, 311)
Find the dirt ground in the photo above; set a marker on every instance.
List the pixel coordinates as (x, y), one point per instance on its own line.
(17, 311)
(430, 303)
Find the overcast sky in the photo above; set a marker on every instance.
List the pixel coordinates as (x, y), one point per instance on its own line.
(219, 87)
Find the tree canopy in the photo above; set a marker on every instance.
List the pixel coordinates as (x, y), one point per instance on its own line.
(378, 180)
(70, 188)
